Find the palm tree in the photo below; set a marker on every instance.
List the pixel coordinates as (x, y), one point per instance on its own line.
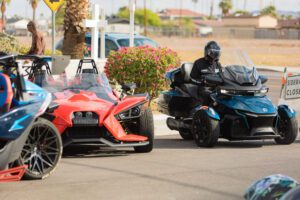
(3, 9)
(34, 4)
(269, 10)
(226, 6)
(74, 37)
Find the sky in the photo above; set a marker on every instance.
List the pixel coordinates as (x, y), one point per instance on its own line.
(22, 8)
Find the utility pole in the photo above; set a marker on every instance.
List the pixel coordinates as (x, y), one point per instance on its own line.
(212, 8)
(180, 20)
(145, 17)
(261, 4)
(245, 4)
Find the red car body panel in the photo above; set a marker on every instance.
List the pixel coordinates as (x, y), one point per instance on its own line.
(84, 101)
(127, 103)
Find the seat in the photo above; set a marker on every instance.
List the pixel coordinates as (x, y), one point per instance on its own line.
(186, 70)
(89, 71)
(6, 93)
(40, 78)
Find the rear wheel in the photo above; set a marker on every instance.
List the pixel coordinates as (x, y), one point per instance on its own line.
(288, 130)
(146, 128)
(205, 130)
(42, 150)
(186, 134)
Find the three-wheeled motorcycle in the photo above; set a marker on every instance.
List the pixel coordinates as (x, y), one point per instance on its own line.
(238, 108)
(30, 144)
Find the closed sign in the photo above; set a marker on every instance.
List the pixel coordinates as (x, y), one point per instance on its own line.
(292, 88)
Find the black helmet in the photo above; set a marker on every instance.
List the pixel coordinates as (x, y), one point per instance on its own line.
(212, 51)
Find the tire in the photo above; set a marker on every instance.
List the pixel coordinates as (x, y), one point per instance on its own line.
(205, 130)
(146, 128)
(42, 150)
(288, 129)
(186, 134)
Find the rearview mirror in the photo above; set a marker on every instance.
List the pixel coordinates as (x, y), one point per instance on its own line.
(263, 79)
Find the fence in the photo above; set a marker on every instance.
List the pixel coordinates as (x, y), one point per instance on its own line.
(229, 32)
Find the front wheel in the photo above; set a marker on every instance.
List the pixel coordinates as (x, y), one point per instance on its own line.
(146, 128)
(205, 130)
(288, 130)
(42, 150)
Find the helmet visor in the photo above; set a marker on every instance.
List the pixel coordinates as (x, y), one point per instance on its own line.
(214, 54)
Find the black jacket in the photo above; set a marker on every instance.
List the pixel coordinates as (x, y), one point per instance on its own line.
(202, 64)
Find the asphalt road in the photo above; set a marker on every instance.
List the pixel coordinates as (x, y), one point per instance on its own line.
(176, 169)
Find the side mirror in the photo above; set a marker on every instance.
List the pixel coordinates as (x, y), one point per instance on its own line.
(52, 107)
(128, 87)
(263, 79)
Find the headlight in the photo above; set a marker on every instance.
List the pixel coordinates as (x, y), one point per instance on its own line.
(134, 112)
(224, 91)
(261, 92)
(264, 90)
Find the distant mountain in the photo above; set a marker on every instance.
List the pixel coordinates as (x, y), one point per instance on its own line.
(280, 12)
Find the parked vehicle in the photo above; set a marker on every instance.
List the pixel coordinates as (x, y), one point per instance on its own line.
(29, 143)
(90, 112)
(113, 42)
(238, 110)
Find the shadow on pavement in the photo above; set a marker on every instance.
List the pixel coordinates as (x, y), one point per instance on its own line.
(92, 151)
(175, 143)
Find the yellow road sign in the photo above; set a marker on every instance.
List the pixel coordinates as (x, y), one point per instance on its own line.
(54, 4)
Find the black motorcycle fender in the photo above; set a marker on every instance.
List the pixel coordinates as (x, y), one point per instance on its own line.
(209, 111)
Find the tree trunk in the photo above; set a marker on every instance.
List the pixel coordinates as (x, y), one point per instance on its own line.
(74, 37)
(33, 15)
(3, 9)
(34, 5)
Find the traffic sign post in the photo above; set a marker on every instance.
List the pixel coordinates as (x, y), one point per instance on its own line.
(54, 6)
(53, 33)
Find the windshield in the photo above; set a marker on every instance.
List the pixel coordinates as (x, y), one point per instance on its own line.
(137, 42)
(241, 74)
(96, 83)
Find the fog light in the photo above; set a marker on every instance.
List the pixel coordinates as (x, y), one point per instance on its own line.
(89, 115)
(78, 114)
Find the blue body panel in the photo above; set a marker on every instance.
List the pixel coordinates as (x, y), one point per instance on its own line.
(286, 111)
(170, 74)
(13, 123)
(251, 104)
(210, 112)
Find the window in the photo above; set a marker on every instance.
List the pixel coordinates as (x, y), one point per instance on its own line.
(138, 42)
(110, 46)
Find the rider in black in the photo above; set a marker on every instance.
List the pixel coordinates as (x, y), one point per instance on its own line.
(209, 63)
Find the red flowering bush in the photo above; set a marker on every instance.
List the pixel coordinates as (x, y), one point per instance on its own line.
(145, 66)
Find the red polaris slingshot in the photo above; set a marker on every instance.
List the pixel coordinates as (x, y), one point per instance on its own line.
(90, 112)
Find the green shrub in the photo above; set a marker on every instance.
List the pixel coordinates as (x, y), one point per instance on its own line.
(8, 44)
(144, 66)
